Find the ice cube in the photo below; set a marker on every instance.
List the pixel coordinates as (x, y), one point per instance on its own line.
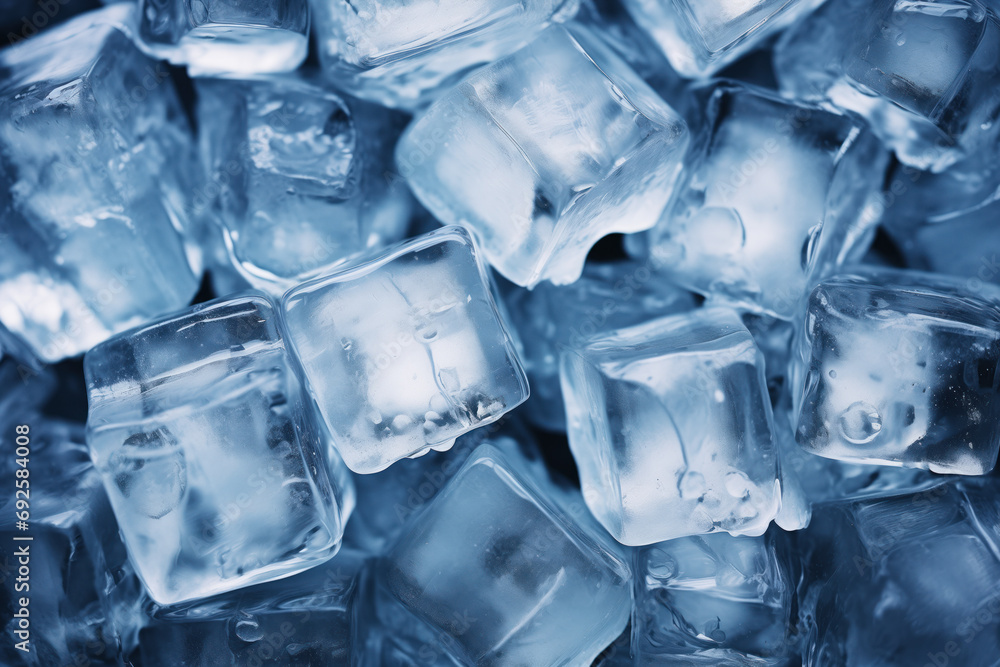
(550, 318)
(543, 153)
(92, 144)
(715, 596)
(402, 53)
(774, 196)
(210, 452)
(66, 559)
(405, 352)
(306, 619)
(503, 576)
(216, 37)
(924, 74)
(297, 174)
(671, 428)
(899, 368)
(908, 580)
(700, 37)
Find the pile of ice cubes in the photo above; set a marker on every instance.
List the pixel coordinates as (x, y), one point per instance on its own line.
(523, 333)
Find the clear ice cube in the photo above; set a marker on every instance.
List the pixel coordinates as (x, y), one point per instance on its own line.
(773, 197)
(221, 37)
(506, 578)
(92, 147)
(402, 54)
(718, 596)
(80, 607)
(297, 176)
(543, 153)
(405, 352)
(700, 37)
(306, 619)
(210, 453)
(900, 368)
(671, 428)
(550, 318)
(924, 74)
(908, 580)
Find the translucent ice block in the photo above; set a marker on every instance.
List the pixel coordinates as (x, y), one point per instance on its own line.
(923, 74)
(714, 596)
(503, 576)
(543, 153)
(700, 37)
(402, 53)
(774, 196)
(406, 352)
(297, 176)
(909, 580)
(900, 368)
(74, 571)
(671, 428)
(220, 37)
(550, 318)
(93, 146)
(302, 620)
(210, 452)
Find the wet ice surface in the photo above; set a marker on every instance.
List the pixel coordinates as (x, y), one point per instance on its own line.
(745, 448)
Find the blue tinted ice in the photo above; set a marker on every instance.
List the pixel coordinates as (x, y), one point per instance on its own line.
(297, 176)
(722, 598)
(772, 197)
(543, 153)
(671, 428)
(900, 368)
(402, 54)
(924, 74)
(79, 611)
(909, 580)
(92, 152)
(550, 318)
(214, 463)
(220, 37)
(700, 37)
(302, 620)
(503, 576)
(405, 352)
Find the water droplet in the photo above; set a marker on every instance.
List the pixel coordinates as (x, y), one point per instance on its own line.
(860, 423)
(248, 629)
(661, 565)
(833, 375)
(738, 484)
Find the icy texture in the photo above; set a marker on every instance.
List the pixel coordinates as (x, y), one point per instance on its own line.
(406, 352)
(966, 245)
(209, 452)
(700, 37)
(671, 428)
(543, 153)
(503, 576)
(550, 319)
(910, 580)
(401, 53)
(772, 197)
(924, 74)
(92, 152)
(219, 37)
(298, 175)
(722, 597)
(303, 620)
(900, 368)
(79, 611)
